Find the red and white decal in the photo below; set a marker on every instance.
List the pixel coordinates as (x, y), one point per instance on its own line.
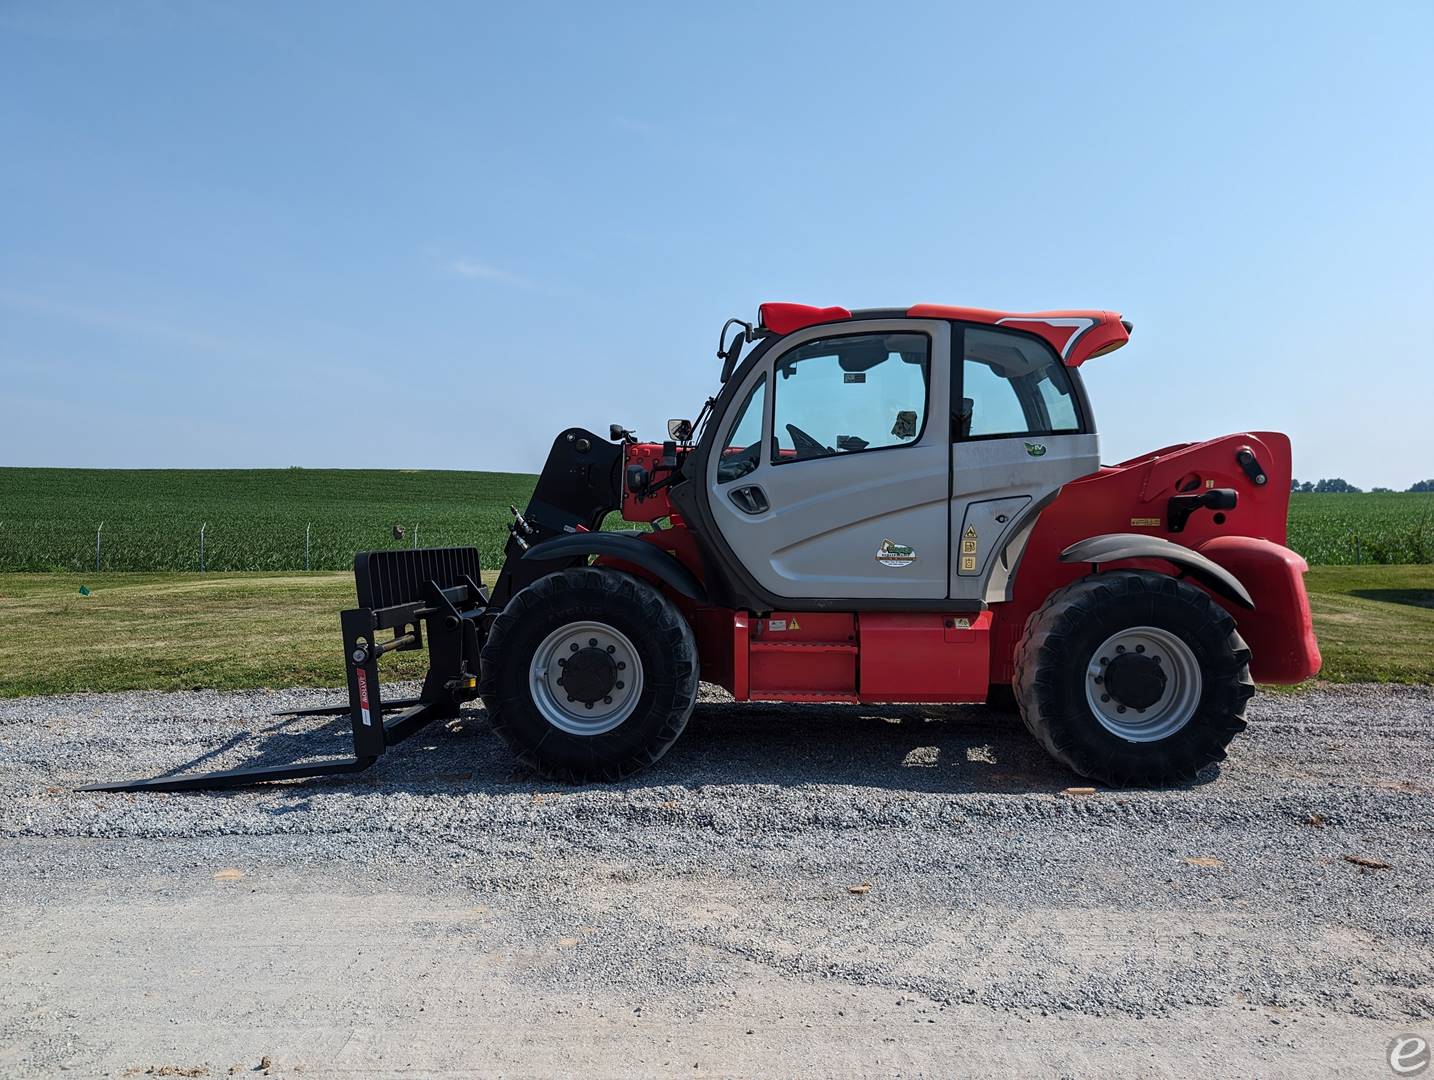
(1062, 333)
(363, 695)
(1076, 335)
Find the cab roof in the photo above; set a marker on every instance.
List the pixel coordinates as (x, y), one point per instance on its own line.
(1075, 335)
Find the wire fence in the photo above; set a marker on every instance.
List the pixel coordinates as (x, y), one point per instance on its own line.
(207, 547)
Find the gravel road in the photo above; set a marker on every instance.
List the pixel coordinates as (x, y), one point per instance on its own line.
(792, 890)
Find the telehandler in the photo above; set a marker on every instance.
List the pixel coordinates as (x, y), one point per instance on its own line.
(880, 505)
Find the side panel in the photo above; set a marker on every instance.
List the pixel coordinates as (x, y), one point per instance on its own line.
(924, 656)
(847, 656)
(998, 485)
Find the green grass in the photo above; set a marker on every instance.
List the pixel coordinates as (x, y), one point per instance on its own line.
(1374, 623)
(176, 631)
(256, 518)
(238, 631)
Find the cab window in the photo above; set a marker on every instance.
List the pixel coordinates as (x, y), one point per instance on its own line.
(1013, 385)
(742, 451)
(850, 394)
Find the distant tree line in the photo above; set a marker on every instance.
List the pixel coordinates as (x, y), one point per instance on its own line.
(1339, 486)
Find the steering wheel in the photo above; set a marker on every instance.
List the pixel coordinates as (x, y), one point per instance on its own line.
(734, 465)
(805, 445)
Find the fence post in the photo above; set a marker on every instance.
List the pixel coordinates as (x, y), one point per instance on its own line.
(201, 546)
(97, 546)
(415, 536)
(1356, 549)
(308, 531)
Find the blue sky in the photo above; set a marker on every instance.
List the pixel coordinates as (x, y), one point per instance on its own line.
(433, 235)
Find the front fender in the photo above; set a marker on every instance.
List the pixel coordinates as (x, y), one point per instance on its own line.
(627, 548)
(1115, 547)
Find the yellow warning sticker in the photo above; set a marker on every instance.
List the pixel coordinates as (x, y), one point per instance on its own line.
(968, 547)
(961, 624)
(968, 562)
(1145, 521)
(793, 625)
(970, 532)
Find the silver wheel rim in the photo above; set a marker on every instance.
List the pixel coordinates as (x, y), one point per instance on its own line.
(557, 706)
(1176, 705)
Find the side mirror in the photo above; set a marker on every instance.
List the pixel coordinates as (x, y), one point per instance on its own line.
(679, 430)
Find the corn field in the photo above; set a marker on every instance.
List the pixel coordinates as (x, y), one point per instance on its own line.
(296, 519)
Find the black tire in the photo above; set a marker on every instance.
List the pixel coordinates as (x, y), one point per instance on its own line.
(665, 647)
(1059, 644)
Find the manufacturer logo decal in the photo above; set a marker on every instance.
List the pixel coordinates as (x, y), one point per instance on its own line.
(1146, 522)
(363, 695)
(893, 554)
(1036, 449)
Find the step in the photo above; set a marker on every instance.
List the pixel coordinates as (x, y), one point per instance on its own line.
(767, 645)
(813, 696)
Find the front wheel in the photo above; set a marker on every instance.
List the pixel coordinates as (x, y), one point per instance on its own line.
(589, 674)
(1133, 678)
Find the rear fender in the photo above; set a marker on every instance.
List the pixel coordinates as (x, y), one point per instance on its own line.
(1118, 547)
(1279, 631)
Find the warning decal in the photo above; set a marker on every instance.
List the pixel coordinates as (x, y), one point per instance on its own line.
(969, 544)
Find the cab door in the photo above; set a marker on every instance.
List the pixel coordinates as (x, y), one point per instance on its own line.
(1021, 428)
(832, 478)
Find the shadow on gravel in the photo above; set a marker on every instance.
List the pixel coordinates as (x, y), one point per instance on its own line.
(932, 749)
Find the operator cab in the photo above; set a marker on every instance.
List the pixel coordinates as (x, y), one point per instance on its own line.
(933, 432)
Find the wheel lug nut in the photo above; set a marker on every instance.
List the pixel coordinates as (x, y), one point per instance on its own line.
(560, 680)
(607, 701)
(570, 697)
(574, 646)
(589, 704)
(562, 661)
(1157, 659)
(1120, 648)
(592, 643)
(1103, 697)
(612, 648)
(1140, 648)
(1120, 709)
(1098, 680)
(619, 685)
(621, 665)
(1105, 659)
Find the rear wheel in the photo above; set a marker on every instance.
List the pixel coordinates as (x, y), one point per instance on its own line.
(589, 674)
(1133, 678)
